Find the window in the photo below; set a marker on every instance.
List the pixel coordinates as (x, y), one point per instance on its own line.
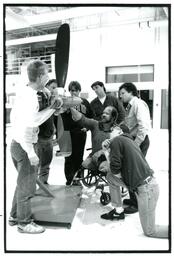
(133, 73)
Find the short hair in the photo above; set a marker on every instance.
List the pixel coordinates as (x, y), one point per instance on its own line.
(36, 68)
(50, 82)
(101, 84)
(129, 87)
(74, 84)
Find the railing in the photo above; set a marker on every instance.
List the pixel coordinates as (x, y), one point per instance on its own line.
(13, 67)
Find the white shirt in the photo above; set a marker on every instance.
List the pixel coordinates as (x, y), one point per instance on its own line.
(138, 119)
(102, 100)
(25, 118)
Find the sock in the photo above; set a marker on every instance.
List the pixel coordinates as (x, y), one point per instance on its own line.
(119, 209)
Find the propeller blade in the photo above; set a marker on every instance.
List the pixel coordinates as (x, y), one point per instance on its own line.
(62, 54)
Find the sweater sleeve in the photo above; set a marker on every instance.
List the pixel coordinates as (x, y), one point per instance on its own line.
(120, 109)
(115, 156)
(87, 122)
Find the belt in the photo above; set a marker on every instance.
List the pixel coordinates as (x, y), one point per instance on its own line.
(146, 181)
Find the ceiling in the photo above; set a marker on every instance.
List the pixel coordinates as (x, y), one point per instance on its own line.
(27, 21)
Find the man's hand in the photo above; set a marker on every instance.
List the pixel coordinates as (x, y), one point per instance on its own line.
(104, 166)
(84, 130)
(76, 115)
(60, 111)
(34, 160)
(47, 92)
(106, 144)
(118, 175)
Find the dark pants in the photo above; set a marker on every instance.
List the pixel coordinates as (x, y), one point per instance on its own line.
(144, 147)
(74, 161)
(44, 150)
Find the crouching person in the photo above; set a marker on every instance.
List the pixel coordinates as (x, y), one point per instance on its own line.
(128, 168)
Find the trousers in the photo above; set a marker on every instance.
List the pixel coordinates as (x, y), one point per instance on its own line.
(44, 150)
(144, 148)
(74, 161)
(147, 196)
(26, 184)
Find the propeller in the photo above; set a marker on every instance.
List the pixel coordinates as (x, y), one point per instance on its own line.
(62, 54)
(61, 70)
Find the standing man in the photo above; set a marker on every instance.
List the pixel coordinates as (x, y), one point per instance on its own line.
(103, 100)
(46, 133)
(138, 121)
(77, 133)
(129, 168)
(26, 118)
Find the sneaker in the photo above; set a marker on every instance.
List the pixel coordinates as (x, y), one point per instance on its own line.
(31, 228)
(130, 209)
(113, 215)
(124, 192)
(12, 221)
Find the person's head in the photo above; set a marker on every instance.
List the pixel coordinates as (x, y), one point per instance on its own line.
(74, 88)
(127, 91)
(37, 72)
(108, 119)
(99, 89)
(51, 85)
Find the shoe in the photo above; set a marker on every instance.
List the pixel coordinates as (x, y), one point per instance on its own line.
(31, 228)
(130, 202)
(12, 221)
(68, 183)
(130, 209)
(113, 215)
(45, 183)
(124, 192)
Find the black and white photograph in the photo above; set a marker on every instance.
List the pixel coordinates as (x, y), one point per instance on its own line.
(86, 127)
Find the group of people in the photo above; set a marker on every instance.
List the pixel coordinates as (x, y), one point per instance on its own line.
(119, 134)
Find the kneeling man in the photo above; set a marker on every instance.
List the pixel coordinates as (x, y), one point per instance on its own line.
(129, 168)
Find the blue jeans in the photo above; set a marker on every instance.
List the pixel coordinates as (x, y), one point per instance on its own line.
(147, 197)
(44, 150)
(26, 184)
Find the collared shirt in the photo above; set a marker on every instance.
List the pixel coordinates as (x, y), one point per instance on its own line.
(25, 118)
(102, 100)
(138, 119)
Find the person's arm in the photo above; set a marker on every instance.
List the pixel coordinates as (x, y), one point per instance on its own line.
(28, 146)
(115, 157)
(121, 111)
(82, 120)
(36, 118)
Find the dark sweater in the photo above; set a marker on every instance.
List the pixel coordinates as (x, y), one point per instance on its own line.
(97, 136)
(98, 107)
(46, 130)
(126, 158)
